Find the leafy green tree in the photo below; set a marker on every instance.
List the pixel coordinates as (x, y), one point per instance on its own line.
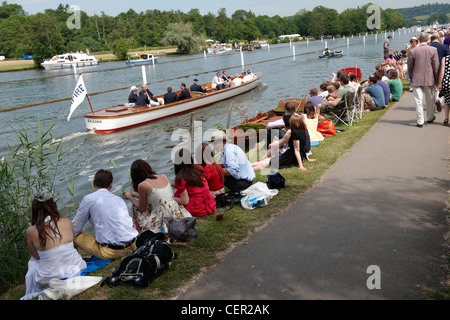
(7, 10)
(250, 31)
(222, 27)
(180, 34)
(45, 36)
(120, 48)
(12, 42)
(196, 19)
(391, 19)
(209, 21)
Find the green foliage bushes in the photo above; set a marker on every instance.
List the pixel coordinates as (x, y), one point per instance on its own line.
(34, 161)
(46, 34)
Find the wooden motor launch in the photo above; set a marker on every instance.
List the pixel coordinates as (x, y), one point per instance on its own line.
(125, 116)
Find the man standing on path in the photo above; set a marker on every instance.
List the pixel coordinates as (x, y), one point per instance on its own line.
(423, 65)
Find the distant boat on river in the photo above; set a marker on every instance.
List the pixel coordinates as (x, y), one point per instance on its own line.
(332, 54)
(145, 58)
(219, 48)
(70, 60)
(126, 116)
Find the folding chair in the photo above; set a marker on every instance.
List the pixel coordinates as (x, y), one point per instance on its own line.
(359, 108)
(346, 115)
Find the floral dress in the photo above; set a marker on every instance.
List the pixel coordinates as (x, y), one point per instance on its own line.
(161, 203)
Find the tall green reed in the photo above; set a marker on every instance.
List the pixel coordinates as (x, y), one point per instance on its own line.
(34, 161)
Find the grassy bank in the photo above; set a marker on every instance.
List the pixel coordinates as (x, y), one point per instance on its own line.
(217, 238)
(21, 65)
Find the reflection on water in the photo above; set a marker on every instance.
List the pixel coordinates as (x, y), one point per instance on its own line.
(287, 77)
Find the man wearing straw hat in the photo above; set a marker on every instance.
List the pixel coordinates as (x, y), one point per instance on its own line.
(133, 97)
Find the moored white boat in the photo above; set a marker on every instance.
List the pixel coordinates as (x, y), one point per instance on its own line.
(70, 60)
(124, 116)
(219, 48)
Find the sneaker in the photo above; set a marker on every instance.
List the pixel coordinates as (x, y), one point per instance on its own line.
(438, 106)
(410, 89)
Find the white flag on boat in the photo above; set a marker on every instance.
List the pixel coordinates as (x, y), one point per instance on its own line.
(78, 96)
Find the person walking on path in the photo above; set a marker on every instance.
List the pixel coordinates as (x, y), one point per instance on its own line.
(423, 66)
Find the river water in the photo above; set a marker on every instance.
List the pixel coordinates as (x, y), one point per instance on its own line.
(284, 76)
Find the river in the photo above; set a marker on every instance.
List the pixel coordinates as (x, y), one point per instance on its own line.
(284, 76)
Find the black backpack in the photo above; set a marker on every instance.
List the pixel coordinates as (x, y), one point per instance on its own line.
(228, 199)
(144, 265)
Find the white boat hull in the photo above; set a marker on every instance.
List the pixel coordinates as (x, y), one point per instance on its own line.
(66, 65)
(109, 124)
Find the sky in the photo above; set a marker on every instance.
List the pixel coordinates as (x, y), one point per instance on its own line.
(271, 8)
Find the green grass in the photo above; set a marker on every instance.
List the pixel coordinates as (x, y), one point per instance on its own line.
(215, 237)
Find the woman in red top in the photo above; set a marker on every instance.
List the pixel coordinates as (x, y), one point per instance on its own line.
(213, 171)
(192, 186)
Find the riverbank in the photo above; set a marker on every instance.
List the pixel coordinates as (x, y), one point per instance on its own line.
(218, 238)
(10, 65)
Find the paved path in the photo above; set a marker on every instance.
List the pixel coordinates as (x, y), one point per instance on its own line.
(382, 204)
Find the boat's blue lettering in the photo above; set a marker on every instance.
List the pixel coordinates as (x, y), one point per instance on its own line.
(79, 90)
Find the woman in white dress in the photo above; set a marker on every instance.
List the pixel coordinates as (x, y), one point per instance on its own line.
(151, 198)
(50, 243)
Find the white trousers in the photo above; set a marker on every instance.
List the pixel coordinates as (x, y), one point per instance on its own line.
(425, 99)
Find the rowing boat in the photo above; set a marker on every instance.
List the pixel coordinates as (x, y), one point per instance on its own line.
(250, 127)
(333, 54)
(125, 116)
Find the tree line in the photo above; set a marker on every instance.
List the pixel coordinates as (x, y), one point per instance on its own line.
(46, 34)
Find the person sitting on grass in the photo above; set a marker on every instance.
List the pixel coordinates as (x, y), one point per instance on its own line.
(277, 147)
(213, 171)
(314, 98)
(192, 190)
(334, 105)
(151, 198)
(50, 243)
(381, 82)
(395, 84)
(297, 151)
(108, 214)
(238, 171)
(373, 96)
(311, 119)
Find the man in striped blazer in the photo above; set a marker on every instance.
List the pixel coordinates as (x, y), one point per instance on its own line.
(423, 66)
